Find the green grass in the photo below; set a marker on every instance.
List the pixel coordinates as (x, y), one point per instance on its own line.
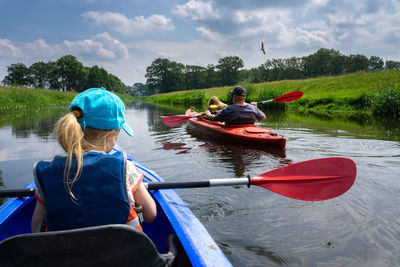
(12, 98)
(182, 98)
(361, 92)
(15, 98)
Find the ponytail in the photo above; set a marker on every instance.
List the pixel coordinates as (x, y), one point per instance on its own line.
(70, 135)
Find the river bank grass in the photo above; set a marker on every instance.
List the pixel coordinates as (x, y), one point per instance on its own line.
(16, 98)
(362, 92)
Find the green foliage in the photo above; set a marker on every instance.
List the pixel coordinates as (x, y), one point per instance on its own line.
(228, 68)
(164, 76)
(387, 102)
(67, 74)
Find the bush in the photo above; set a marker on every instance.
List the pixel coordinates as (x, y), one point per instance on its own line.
(387, 103)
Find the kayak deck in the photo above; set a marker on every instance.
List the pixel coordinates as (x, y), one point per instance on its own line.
(238, 134)
(173, 217)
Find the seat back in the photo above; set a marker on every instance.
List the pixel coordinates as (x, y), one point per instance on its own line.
(109, 245)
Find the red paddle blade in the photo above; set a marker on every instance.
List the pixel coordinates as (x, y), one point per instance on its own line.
(174, 120)
(289, 97)
(312, 180)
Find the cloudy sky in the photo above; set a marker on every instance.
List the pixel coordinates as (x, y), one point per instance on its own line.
(124, 37)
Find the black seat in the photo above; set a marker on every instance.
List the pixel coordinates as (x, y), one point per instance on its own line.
(109, 245)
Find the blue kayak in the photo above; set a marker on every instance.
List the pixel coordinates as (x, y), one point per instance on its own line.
(173, 218)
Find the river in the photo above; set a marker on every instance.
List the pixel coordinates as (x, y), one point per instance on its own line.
(254, 227)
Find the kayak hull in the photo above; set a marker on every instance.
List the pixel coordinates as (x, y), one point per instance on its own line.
(173, 217)
(237, 134)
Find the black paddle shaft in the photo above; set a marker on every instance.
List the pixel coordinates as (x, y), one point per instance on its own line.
(27, 192)
(175, 185)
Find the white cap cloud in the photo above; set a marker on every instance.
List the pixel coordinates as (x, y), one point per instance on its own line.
(118, 22)
(197, 10)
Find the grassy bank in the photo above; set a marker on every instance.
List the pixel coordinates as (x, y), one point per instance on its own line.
(13, 98)
(375, 93)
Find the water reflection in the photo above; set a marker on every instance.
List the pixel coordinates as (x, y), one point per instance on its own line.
(154, 123)
(338, 124)
(39, 122)
(177, 146)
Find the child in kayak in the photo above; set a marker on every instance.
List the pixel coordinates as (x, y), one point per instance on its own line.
(90, 186)
(240, 112)
(215, 105)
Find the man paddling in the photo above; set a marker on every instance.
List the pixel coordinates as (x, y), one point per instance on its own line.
(240, 112)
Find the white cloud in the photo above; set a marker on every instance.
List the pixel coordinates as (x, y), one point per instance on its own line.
(101, 46)
(214, 36)
(8, 49)
(197, 10)
(118, 22)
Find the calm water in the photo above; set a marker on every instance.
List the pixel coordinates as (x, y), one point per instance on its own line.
(255, 227)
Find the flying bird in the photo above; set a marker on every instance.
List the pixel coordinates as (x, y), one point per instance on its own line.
(262, 47)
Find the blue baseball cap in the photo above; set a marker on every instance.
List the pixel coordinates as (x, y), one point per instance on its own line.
(100, 109)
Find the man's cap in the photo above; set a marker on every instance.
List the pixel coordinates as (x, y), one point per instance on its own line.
(239, 91)
(100, 109)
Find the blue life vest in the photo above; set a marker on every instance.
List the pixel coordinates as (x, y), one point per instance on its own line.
(100, 191)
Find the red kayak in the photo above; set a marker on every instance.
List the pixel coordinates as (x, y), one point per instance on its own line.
(239, 134)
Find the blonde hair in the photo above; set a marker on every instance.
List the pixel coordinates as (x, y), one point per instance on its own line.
(215, 101)
(76, 142)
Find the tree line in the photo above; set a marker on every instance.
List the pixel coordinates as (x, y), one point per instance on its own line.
(164, 75)
(65, 74)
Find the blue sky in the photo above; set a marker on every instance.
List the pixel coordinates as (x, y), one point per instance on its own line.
(124, 37)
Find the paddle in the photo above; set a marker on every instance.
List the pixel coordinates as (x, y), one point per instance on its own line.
(312, 180)
(176, 120)
(289, 97)
(179, 119)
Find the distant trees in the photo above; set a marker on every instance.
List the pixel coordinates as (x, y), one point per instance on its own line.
(228, 70)
(392, 65)
(164, 75)
(138, 89)
(321, 63)
(66, 74)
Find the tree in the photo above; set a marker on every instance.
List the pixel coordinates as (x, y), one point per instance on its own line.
(210, 76)
(97, 77)
(324, 62)
(71, 73)
(114, 84)
(228, 69)
(194, 77)
(356, 63)
(392, 65)
(164, 76)
(40, 74)
(18, 74)
(376, 63)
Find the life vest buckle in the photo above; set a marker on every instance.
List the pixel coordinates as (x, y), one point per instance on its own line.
(139, 212)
